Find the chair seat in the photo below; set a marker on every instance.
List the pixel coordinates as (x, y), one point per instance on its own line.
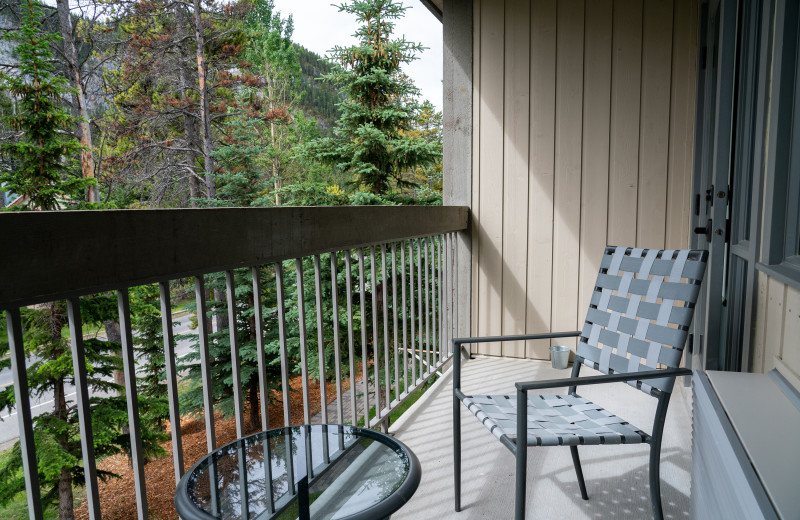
(554, 420)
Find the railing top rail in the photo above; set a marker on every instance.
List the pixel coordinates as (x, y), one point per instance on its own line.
(53, 255)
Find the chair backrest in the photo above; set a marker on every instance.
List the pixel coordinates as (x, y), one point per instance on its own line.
(640, 312)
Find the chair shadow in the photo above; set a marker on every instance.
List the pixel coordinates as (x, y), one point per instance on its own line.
(622, 496)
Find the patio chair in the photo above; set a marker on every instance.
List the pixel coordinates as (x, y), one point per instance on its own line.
(637, 321)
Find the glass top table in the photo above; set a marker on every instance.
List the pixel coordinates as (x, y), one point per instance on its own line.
(320, 472)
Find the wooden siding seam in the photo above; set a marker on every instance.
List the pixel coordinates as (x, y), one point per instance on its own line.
(583, 166)
(669, 125)
(639, 140)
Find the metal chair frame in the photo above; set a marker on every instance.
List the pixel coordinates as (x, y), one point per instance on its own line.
(520, 449)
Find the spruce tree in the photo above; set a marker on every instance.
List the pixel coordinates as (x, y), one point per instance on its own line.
(379, 103)
(42, 148)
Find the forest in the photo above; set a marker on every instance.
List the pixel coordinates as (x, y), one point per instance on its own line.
(150, 104)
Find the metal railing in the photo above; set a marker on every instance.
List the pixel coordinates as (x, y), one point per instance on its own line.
(398, 261)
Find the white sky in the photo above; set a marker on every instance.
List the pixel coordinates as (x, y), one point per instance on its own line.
(318, 26)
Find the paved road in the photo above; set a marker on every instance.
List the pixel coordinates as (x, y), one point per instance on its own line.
(9, 425)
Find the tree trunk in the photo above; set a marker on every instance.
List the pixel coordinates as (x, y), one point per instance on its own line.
(189, 121)
(205, 114)
(84, 130)
(66, 508)
(255, 410)
(221, 318)
(113, 335)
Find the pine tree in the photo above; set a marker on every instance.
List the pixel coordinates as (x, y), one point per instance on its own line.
(42, 147)
(379, 102)
(56, 433)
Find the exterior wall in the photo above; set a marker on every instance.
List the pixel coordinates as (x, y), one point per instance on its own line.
(583, 123)
(776, 340)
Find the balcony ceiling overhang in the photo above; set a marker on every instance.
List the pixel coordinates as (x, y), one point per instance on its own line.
(436, 7)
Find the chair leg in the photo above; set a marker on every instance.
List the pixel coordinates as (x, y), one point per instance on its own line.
(522, 467)
(576, 461)
(655, 478)
(457, 451)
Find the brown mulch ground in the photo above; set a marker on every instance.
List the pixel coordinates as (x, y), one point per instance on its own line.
(117, 496)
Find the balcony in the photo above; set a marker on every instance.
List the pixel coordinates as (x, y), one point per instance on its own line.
(396, 273)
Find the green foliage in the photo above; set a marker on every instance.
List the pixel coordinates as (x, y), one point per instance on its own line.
(41, 154)
(57, 434)
(149, 340)
(378, 106)
(220, 346)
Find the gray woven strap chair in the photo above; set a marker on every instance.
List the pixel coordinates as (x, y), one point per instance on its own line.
(638, 318)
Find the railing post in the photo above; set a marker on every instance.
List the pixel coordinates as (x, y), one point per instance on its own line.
(336, 339)
(84, 407)
(205, 363)
(129, 369)
(172, 379)
(258, 311)
(323, 393)
(22, 402)
(301, 321)
(236, 366)
(282, 340)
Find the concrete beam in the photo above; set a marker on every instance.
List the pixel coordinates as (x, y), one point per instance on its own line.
(53, 255)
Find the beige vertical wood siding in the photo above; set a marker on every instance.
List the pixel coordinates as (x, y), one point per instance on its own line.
(583, 136)
(777, 329)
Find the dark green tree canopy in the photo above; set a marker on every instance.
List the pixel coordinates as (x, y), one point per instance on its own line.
(42, 151)
(379, 103)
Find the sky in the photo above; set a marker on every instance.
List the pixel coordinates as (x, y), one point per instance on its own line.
(318, 26)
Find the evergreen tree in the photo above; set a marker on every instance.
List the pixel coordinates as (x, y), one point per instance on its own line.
(378, 103)
(57, 433)
(42, 148)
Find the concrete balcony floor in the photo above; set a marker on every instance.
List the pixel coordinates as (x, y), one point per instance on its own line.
(616, 476)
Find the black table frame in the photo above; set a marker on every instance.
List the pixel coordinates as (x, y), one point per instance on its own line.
(188, 510)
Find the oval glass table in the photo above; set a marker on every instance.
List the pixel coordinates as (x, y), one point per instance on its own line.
(319, 472)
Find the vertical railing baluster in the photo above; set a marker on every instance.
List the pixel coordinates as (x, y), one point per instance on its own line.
(236, 365)
(364, 363)
(243, 494)
(405, 314)
(448, 282)
(427, 306)
(301, 309)
(439, 294)
(336, 347)
(394, 323)
(420, 317)
(375, 335)
(350, 340)
(170, 365)
(323, 393)
(456, 324)
(205, 363)
(22, 403)
(413, 344)
(434, 303)
(267, 458)
(282, 340)
(261, 355)
(387, 377)
(84, 407)
(129, 369)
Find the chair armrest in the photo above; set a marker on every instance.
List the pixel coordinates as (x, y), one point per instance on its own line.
(605, 378)
(457, 342)
(517, 337)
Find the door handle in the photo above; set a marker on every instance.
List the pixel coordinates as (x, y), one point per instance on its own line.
(704, 230)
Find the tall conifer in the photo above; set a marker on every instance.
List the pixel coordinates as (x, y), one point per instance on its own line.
(379, 103)
(42, 152)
